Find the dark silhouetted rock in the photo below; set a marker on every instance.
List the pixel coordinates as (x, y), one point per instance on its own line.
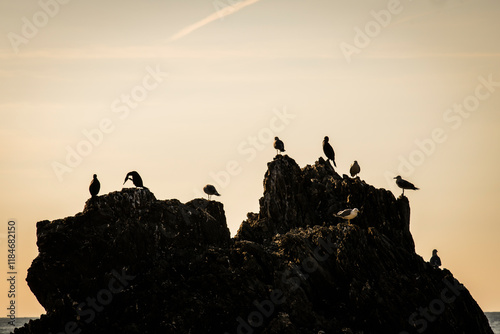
(130, 263)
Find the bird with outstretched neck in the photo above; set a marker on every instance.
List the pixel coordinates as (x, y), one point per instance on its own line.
(328, 150)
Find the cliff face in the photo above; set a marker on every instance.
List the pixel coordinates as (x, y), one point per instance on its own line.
(130, 263)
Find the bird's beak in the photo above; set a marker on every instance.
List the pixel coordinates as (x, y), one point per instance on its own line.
(125, 180)
(395, 177)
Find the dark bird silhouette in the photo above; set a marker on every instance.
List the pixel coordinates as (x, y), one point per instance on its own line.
(403, 184)
(355, 169)
(95, 186)
(278, 145)
(210, 190)
(328, 149)
(347, 214)
(435, 260)
(136, 179)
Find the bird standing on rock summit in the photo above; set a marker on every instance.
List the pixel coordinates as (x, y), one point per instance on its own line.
(278, 145)
(136, 179)
(435, 260)
(355, 169)
(210, 190)
(95, 186)
(403, 184)
(328, 149)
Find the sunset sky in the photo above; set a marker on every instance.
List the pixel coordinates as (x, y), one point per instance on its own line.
(193, 92)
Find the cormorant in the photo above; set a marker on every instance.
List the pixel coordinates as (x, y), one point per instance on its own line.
(435, 260)
(328, 149)
(210, 190)
(347, 214)
(136, 179)
(403, 184)
(278, 145)
(355, 169)
(95, 186)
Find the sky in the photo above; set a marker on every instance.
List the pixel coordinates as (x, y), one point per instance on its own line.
(193, 92)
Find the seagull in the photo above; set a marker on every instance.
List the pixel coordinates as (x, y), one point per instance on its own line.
(210, 190)
(355, 169)
(278, 145)
(328, 149)
(95, 186)
(403, 184)
(136, 179)
(347, 214)
(435, 260)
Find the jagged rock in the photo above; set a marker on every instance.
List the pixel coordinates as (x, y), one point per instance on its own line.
(130, 263)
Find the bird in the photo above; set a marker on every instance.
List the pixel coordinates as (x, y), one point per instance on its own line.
(347, 214)
(355, 169)
(278, 145)
(210, 190)
(328, 149)
(136, 179)
(435, 260)
(403, 184)
(95, 186)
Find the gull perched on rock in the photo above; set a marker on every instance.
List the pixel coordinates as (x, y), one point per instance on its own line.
(278, 145)
(355, 169)
(347, 214)
(210, 190)
(403, 184)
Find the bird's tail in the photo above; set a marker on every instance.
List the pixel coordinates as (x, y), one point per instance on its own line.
(217, 194)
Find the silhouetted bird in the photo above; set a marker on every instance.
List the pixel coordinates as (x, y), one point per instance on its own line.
(95, 186)
(278, 145)
(347, 214)
(403, 184)
(435, 260)
(136, 179)
(355, 169)
(328, 149)
(210, 190)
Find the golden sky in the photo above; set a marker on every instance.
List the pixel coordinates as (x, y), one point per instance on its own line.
(193, 92)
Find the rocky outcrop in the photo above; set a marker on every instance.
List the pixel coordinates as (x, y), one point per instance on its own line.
(130, 263)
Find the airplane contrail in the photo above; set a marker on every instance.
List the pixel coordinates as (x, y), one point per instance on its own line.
(215, 16)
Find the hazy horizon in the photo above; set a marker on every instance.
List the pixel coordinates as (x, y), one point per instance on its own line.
(193, 93)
